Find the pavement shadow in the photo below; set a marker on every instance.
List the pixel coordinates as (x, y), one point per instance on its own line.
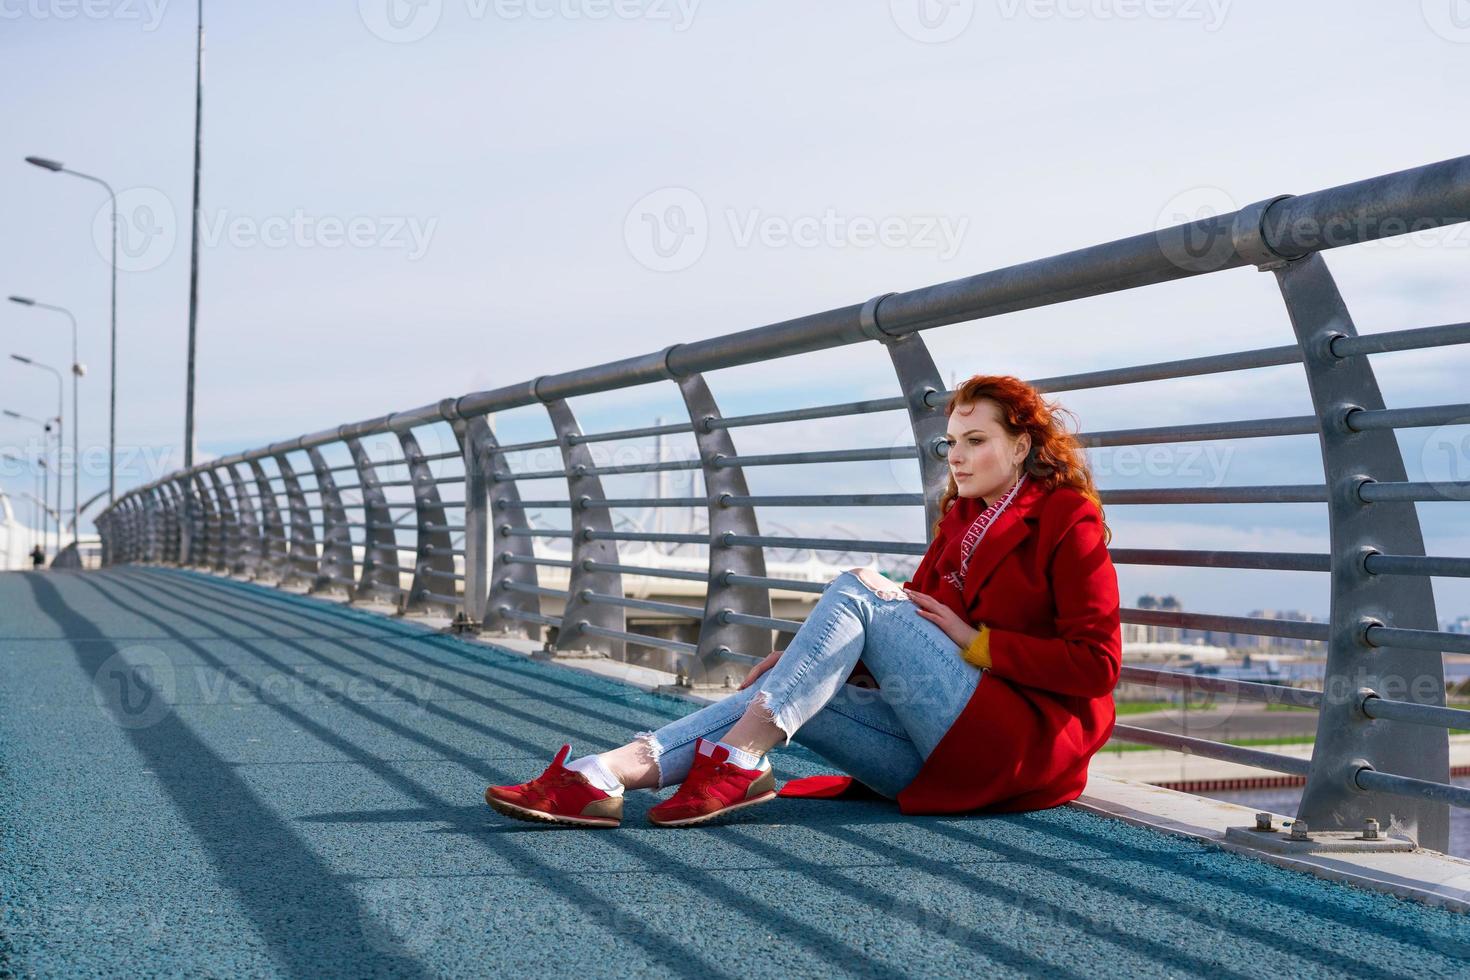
(254, 852)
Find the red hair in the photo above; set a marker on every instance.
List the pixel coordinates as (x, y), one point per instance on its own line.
(1056, 458)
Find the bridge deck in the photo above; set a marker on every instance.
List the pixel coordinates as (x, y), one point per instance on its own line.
(308, 802)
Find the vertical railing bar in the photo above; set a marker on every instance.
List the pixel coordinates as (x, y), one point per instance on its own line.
(224, 552)
(247, 512)
(336, 557)
(274, 558)
(713, 664)
(380, 542)
(1347, 740)
(431, 548)
(503, 516)
(301, 543)
(475, 441)
(584, 485)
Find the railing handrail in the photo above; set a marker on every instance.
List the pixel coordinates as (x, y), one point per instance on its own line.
(1292, 227)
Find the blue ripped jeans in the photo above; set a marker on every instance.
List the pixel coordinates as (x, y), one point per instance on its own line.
(881, 737)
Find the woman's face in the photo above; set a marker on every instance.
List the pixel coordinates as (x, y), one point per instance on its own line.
(983, 457)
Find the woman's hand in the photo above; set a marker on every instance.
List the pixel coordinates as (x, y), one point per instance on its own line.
(760, 669)
(945, 618)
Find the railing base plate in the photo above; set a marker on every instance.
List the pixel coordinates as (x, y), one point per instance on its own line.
(695, 690)
(1318, 842)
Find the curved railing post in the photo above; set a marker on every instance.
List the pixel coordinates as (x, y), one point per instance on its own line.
(148, 499)
(921, 383)
(124, 526)
(274, 554)
(711, 665)
(198, 530)
(140, 543)
(162, 521)
(504, 516)
(434, 549)
(335, 570)
(130, 529)
(119, 532)
(173, 532)
(227, 539)
(379, 573)
(187, 520)
(198, 520)
(208, 522)
(222, 541)
(104, 535)
(188, 533)
(584, 487)
(301, 547)
(224, 522)
(248, 558)
(1347, 739)
(103, 523)
(476, 516)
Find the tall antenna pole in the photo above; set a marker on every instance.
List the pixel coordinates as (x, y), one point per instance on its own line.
(194, 254)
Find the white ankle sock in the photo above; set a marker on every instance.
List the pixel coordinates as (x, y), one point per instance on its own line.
(597, 774)
(742, 758)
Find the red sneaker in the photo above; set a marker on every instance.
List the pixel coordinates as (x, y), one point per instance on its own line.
(714, 786)
(558, 795)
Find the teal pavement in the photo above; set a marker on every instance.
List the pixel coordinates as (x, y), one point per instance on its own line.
(203, 776)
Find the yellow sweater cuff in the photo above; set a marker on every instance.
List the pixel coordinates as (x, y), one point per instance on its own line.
(978, 652)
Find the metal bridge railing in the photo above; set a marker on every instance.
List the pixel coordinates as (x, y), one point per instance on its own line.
(279, 513)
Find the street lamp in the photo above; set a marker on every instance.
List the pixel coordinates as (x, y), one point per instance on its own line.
(60, 429)
(78, 371)
(56, 167)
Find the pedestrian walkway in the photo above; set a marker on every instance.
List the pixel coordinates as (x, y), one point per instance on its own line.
(206, 776)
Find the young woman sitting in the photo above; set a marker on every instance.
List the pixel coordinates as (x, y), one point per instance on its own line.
(994, 665)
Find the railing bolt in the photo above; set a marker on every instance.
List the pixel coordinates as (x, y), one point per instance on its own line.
(1370, 829)
(1263, 821)
(1299, 830)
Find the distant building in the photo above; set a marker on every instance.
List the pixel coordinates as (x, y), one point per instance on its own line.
(1142, 634)
(1461, 625)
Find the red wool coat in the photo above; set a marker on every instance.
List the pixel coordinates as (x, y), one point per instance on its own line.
(1043, 581)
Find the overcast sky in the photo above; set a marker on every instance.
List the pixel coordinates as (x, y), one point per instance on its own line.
(406, 201)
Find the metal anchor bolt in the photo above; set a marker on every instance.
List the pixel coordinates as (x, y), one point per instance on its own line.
(1263, 821)
(1370, 829)
(1299, 830)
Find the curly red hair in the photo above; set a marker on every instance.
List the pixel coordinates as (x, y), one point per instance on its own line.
(1056, 458)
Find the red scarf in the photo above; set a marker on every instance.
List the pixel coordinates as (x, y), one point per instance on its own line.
(946, 580)
(976, 533)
